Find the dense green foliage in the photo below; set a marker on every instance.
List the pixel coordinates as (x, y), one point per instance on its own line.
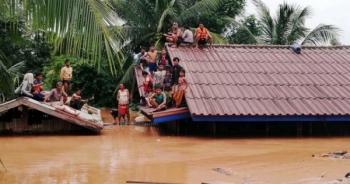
(101, 85)
(146, 20)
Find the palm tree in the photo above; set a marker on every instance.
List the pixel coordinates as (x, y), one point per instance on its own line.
(288, 27)
(147, 19)
(82, 28)
(8, 75)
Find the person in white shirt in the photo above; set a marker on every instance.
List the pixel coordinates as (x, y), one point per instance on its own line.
(187, 35)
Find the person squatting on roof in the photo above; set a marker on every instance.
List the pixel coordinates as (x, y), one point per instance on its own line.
(55, 98)
(202, 36)
(175, 37)
(76, 101)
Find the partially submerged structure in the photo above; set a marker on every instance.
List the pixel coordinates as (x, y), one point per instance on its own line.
(25, 115)
(237, 83)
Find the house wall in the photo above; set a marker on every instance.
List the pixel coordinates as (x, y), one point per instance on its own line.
(30, 121)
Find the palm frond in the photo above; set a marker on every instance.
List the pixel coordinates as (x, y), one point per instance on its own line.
(244, 28)
(197, 9)
(322, 34)
(6, 77)
(297, 28)
(267, 22)
(78, 27)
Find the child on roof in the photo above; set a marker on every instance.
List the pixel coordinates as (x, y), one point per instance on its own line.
(164, 59)
(158, 100)
(167, 83)
(147, 81)
(159, 76)
(182, 87)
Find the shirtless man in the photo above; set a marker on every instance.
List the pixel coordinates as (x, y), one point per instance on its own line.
(151, 59)
(175, 36)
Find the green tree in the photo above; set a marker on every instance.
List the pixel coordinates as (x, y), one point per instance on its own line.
(82, 28)
(245, 31)
(218, 21)
(146, 20)
(288, 26)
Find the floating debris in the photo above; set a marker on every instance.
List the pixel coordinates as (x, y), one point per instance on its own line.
(336, 154)
(222, 171)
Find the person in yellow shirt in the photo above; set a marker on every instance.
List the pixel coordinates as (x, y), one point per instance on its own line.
(66, 76)
(202, 36)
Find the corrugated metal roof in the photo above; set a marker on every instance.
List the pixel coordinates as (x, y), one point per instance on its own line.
(266, 80)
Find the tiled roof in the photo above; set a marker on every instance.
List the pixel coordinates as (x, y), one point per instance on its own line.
(266, 80)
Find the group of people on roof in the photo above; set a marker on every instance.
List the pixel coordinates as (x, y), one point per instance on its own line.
(164, 82)
(178, 36)
(32, 86)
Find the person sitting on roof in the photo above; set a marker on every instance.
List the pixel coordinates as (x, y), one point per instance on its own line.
(158, 100)
(187, 36)
(175, 37)
(37, 88)
(179, 94)
(202, 36)
(25, 88)
(159, 76)
(55, 98)
(167, 87)
(76, 100)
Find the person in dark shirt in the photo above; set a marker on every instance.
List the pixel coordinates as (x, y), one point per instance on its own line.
(167, 83)
(175, 72)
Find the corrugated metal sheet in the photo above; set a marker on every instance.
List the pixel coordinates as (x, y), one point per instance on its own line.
(266, 80)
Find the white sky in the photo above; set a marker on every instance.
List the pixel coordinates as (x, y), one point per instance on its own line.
(335, 12)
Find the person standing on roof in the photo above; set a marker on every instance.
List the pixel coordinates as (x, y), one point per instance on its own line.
(202, 36)
(142, 62)
(159, 76)
(175, 71)
(187, 35)
(179, 94)
(151, 59)
(164, 59)
(66, 76)
(175, 37)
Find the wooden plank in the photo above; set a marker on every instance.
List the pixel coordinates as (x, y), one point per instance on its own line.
(168, 112)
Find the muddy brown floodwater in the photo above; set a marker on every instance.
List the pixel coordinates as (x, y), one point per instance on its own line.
(124, 153)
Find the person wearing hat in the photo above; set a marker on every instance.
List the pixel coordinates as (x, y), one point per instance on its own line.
(175, 36)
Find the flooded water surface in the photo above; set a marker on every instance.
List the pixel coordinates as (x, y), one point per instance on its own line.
(124, 153)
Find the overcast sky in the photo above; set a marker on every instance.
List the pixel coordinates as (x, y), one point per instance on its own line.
(336, 12)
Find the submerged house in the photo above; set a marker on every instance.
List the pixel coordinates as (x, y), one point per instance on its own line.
(25, 115)
(238, 83)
